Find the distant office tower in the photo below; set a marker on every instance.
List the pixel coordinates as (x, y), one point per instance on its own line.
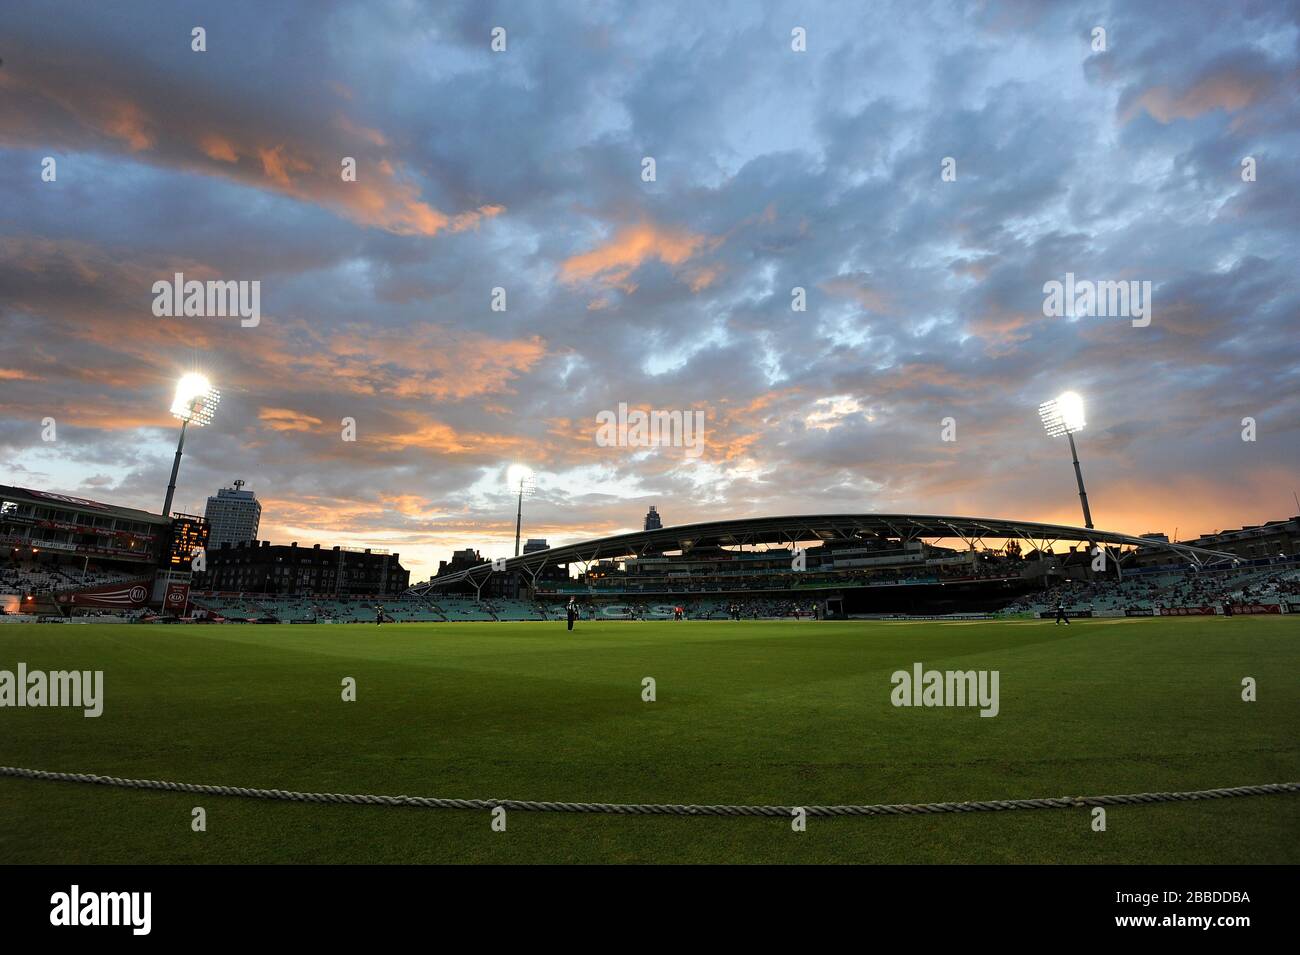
(233, 516)
(535, 544)
(652, 522)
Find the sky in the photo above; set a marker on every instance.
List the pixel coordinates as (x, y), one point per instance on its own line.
(503, 269)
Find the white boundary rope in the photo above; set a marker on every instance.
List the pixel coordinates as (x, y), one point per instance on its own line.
(656, 809)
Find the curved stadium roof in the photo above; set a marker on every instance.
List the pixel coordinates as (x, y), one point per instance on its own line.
(759, 531)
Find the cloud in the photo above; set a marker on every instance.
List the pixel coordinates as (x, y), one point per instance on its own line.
(478, 171)
(285, 419)
(860, 289)
(1230, 87)
(612, 262)
(89, 104)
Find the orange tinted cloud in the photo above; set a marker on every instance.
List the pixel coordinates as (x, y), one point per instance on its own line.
(1225, 89)
(429, 361)
(285, 419)
(733, 430)
(80, 106)
(1001, 328)
(331, 517)
(423, 433)
(93, 296)
(859, 288)
(613, 262)
(702, 278)
(217, 147)
(126, 121)
(408, 505)
(372, 136)
(279, 166)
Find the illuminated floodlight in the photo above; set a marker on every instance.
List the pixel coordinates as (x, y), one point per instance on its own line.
(520, 477)
(195, 403)
(196, 400)
(1062, 415)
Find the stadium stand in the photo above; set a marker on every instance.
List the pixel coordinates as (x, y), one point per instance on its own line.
(1141, 592)
(503, 609)
(464, 608)
(27, 577)
(1182, 590)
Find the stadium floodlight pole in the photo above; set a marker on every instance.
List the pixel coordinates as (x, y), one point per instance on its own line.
(521, 477)
(1078, 477)
(176, 466)
(1063, 415)
(196, 400)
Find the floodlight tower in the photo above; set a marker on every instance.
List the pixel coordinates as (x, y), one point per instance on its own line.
(1063, 415)
(521, 478)
(196, 400)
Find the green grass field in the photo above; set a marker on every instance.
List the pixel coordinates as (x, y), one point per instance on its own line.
(771, 713)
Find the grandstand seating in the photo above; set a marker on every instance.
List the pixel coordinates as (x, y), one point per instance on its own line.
(503, 609)
(695, 608)
(325, 610)
(34, 578)
(1208, 588)
(1137, 591)
(464, 608)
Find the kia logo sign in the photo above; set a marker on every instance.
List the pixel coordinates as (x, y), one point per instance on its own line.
(175, 597)
(138, 594)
